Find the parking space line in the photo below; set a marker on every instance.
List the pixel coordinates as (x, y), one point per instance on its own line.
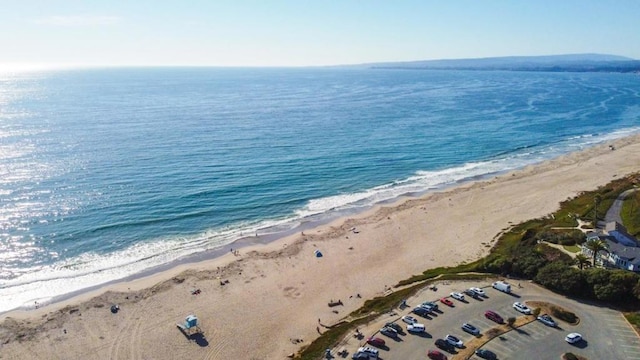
(627, 334)
(618, 327)
(499, 348)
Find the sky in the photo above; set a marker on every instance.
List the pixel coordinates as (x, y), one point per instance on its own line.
(307, 33)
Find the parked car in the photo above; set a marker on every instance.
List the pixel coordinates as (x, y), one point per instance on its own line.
(376, 341)
(471, 293)
(420, 311)
(573, 338)
(447, 302)
(547, 320)
(457, 296)
(522, 308)
(394, 326)
(478, 291)
(454, 341)
(409, 319)
(429, 305)
(492, 315)
(389, 332)
(486, 354)
(361, 356)
(369, 350)
(444, 345)
(436, 355)
(416, 328)
(470, 329)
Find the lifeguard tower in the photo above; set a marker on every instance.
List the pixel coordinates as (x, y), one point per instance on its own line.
(190, 325)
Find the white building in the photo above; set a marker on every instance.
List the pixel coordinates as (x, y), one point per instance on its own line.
(623, 251)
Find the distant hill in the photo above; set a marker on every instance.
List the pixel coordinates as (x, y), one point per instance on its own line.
(570, 62)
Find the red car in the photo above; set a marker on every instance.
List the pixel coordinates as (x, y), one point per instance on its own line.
(492, 315)
(375, 341)
(436, 355)
(447, 302)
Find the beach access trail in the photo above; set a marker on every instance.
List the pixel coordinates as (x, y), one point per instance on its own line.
(265, 302)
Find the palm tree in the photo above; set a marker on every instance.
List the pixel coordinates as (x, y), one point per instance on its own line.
(581, 260)
(597, 199)
(596, 245)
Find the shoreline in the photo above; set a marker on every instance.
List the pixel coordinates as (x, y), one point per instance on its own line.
(392, 242)
(313, 222)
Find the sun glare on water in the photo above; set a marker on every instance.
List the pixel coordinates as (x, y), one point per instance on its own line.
(15, 68)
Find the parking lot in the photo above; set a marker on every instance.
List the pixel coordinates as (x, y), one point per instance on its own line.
(606, 333)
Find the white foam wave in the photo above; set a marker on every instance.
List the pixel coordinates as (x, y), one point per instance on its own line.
(93, 269)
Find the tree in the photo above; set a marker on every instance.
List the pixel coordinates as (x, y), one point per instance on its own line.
(510, 321)
(536, 312)
(581, 260)
(596, 245)
(596, 200)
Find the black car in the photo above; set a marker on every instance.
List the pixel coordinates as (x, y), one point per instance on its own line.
(394, 326)
(486, 354)
(390, 332)
(445, 345)
(360, 356)
(421, 311)
(472, 294)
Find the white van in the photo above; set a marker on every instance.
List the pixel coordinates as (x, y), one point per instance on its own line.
(502, 286)
(416, 328)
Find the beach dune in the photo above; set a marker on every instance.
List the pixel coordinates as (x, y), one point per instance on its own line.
(268, 301)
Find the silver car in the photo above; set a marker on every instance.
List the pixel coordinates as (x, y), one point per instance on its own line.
(547, 320)
(470, 329)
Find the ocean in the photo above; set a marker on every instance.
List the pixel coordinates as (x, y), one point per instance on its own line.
(107, 174)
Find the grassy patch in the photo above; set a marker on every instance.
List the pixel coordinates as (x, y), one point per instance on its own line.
(630, 213)
(572, 248)
(634, 319)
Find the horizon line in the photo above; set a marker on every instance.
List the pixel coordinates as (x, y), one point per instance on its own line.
(34, 67)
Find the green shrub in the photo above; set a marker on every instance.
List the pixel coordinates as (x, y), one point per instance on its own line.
(570, 356)
(564, 315)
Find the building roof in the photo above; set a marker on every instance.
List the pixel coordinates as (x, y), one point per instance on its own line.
(630, 253)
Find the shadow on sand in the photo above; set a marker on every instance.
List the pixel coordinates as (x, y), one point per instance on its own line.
(198, 337)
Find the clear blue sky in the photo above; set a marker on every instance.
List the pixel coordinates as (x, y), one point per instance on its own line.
(299, 32)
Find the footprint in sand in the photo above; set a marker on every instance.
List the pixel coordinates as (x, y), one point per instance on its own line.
(292, 292)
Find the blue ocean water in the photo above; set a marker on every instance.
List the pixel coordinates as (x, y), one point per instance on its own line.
(109, 172)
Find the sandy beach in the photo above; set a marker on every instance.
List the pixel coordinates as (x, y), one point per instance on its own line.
(253, 303)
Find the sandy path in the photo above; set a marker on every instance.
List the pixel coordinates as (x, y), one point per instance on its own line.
(279, 291)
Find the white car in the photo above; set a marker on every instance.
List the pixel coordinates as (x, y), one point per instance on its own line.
(547, 320)
(457, 296)
(454, 341)
(478, 291)
(409, 319)
(522, 308)
(416, 328)
(573, 338)
(369, 350)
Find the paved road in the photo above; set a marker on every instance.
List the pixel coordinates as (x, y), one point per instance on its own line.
(606, 333)
(613, 214)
